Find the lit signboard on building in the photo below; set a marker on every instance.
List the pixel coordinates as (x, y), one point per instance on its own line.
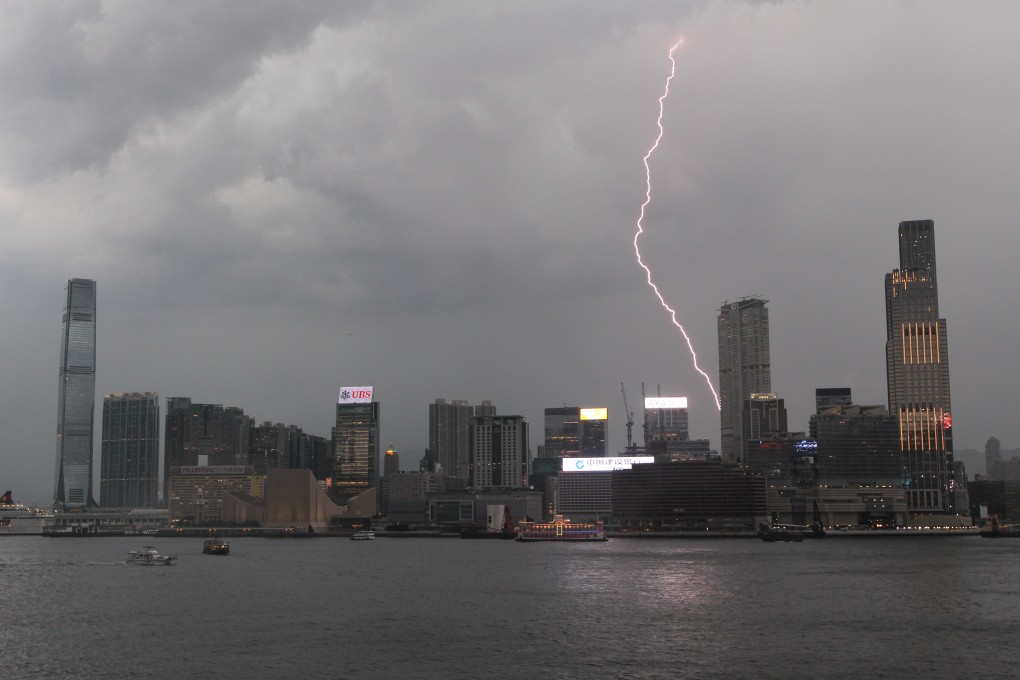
(355, 395)
(594, 414)
(806, 445)
(214, 470)
(665, 402)
(603, 464)
(947, 421)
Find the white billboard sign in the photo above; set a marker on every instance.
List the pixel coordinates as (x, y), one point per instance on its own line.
(604, 464)
(355, 395)
(665, 402)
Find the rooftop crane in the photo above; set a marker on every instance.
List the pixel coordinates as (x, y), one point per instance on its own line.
(630, 417)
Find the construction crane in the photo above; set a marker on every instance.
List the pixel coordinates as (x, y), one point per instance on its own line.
(630, 417)
(645, 419)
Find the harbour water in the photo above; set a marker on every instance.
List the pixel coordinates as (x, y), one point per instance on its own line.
(447, 608)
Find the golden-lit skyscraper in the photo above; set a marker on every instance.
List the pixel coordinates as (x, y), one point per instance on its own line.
(917, 369)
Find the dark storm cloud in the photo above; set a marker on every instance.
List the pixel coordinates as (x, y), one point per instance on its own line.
(439, 199)
(80, 77)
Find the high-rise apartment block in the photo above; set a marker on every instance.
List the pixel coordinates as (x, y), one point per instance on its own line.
(355, 442)
(499, 451)
(129, 467)
(450, 437)
(917, 369)
(203, 435)
(277, 446)
(72, 486)
(744, 367)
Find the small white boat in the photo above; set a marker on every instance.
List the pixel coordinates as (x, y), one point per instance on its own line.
(149, 556)
(364, 535)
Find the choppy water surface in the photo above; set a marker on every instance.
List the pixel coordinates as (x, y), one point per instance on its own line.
(447, 608)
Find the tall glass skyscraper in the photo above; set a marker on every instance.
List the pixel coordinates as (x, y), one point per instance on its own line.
(744, 367)
(917, 370)
(129, 470)
(77, 395)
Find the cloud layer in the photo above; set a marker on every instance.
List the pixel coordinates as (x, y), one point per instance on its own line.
(438, 199)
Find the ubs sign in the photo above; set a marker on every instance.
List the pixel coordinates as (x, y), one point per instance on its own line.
(355, 395)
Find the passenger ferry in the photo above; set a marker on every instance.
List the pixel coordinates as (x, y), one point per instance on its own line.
(363, 535)
(561, 530)
(215, 546)
(149, 556)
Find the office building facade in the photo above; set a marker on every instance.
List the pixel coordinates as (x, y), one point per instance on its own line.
(917, 369)
(832, 396)
(355, 442)
(572, 431)
(72, 486)
(129, 467)
(562, 432)
(744, 367)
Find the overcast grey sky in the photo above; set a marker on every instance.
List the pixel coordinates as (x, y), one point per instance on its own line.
(438, 199)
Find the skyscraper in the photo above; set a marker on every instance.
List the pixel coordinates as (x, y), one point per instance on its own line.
(665, 423)
(594, 432)
(355, 442)
(744, 367)
(129, 467)
(571, 431)
(993, 454)
(450, 437)
(562, 432)
(72, 486)
(917, 370)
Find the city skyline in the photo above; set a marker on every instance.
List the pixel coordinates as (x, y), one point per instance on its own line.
(439, 200)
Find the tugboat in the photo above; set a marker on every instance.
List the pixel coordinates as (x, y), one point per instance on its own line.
(773, 531)
(149, 557)
(996, 530)
(215, 546)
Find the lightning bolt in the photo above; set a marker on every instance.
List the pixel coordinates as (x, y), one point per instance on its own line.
(641, 230)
